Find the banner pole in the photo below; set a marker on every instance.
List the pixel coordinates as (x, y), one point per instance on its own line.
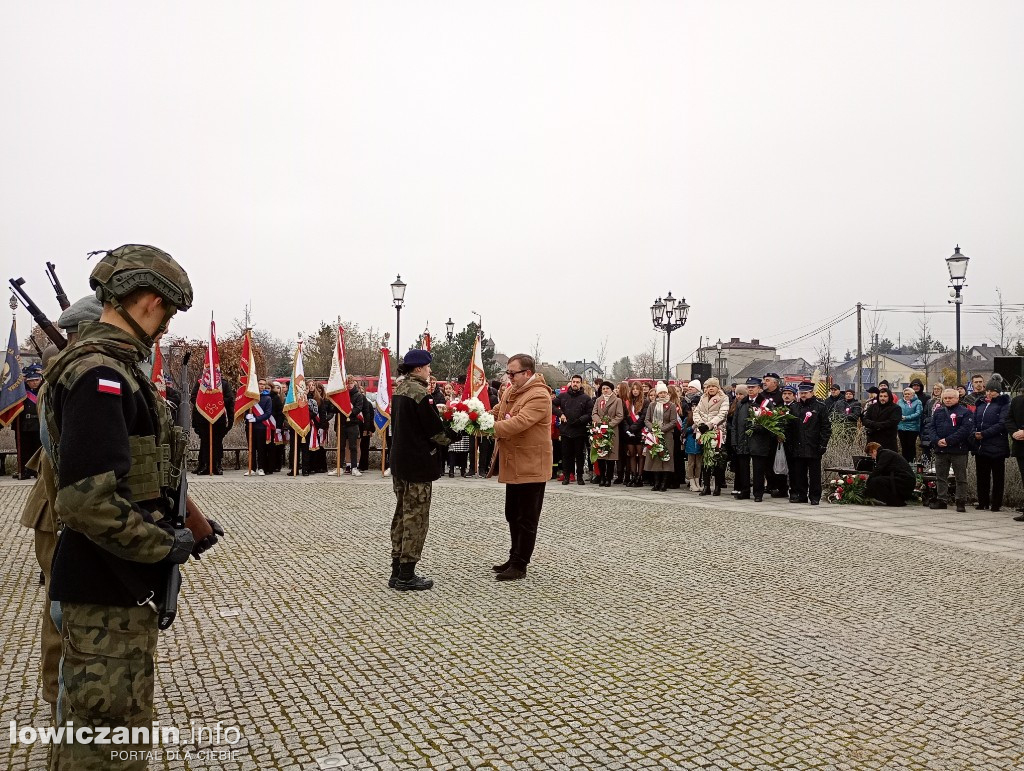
(17, 442)
(337, 430)
(211, 450)
(295, 455)
(383, 448)
(249, 426)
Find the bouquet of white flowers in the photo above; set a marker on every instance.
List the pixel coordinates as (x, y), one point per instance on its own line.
(468, 416)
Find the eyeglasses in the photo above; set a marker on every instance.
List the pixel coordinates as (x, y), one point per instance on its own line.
(510, 373)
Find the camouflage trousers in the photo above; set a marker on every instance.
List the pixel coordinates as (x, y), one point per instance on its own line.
(412, 517)
(50, 644)
(106, 680)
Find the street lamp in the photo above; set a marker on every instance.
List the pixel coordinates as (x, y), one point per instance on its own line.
(667, 316)
(957, 264)
(718, 346)
(398, 299)
(449, 329)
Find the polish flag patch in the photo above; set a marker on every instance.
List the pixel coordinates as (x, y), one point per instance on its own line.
(109, 387)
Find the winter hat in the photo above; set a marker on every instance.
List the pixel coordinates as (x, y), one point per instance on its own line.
(661, 388)
(694, 384)
(712, 381)
(995, 384)
(417, 357)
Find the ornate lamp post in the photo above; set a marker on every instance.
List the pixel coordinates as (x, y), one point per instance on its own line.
(449, 328)
(668, 315)
(957, 264)
(398, 300)
(718, 347)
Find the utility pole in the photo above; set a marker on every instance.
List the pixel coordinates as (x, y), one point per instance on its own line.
(878, 376)
(860, 362)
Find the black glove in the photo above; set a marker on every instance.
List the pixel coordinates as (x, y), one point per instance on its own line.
(703, 428)
(182, 546)
(210, 541)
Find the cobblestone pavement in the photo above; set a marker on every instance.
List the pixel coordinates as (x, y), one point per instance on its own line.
(653, 631)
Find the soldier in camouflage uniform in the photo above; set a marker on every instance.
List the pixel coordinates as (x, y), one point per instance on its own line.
(116, 453)
(419, 436)
(38, 513)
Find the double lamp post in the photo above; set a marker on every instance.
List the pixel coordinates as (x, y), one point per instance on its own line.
(668, 315)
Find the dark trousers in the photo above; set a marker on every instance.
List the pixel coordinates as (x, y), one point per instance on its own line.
(364, 452)
(349, 438)
(806, 479)
(890, 490)
(717, 473)
(991, 480)
(486, 454)
(779, 483)
(523, 503)
(607, 469)
(743, 475)
(908, 445)
(262, 450)
(762, 467)
(572, 456)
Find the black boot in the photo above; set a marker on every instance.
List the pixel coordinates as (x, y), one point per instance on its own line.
(961, 506)
(408, 581)
(395, 566)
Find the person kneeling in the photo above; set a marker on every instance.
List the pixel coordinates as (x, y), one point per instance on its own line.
(892, 481)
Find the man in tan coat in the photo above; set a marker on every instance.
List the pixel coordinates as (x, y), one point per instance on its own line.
(522, 430)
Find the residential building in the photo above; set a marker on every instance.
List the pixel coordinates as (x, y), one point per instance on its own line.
(733, 356)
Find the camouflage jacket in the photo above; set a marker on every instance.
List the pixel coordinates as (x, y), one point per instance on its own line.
(418, 433)
(113, 450)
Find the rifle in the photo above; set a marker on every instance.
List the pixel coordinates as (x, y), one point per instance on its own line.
(37, 314)
(169, 602)
(62, 297)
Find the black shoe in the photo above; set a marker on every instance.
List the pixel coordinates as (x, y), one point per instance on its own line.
(981, 507)
(408, 581)
(503, 566)
(996, 508)
(813, 503)
(961, 506)
(742, 496)
(395, 569)
(462, 472)
(792, 498)
(705, 491)
(718, 491)
(580, 482)
(780, 494)
(1019, 518)
(565, 481)
(618, 481)
(758, 498)
(451, 473)
(291, 473)
(511, 573)
(937, 505)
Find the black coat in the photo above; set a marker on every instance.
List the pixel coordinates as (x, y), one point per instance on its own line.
(812, 428)
(955, 425)
(418, 433)
(358, 400)
(850, 409)
(577, 408)
(880, 421)
(763, 443)
(892, 476)
(201, 425)
(1014, 423)
(738, 425)
(630, 426)
(990, 421)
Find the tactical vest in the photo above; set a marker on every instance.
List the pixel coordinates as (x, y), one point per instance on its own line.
(156, 460)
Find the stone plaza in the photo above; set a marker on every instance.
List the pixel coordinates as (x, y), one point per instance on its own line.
(653, 631)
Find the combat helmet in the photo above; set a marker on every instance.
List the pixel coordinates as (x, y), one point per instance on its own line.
(127, 268)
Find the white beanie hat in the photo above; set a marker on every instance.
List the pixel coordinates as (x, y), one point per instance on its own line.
(694, 384)
(661, 388)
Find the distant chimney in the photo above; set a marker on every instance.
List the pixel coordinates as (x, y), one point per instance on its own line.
(755, 341)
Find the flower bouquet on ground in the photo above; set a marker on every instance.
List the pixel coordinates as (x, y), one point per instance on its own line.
(711, 448)
(771, 419)
(654, 444)
(602, 437)
(468, 417)
(850, 489)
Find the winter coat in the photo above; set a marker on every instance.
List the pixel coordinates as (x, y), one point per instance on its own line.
(954, 424)
(895, 468)
(990, 421)
(880, 421)
(763, 443)
(833, 403)
(609, 408)
(668, 428)
(522, 429)
(813, 428)
(418, 434)
(739, 423)
(1015, 422)
(927, 429)
(713, 412)
(850, 408)
(911, 414)
(355, 417)
(576, 407)
(631, 426)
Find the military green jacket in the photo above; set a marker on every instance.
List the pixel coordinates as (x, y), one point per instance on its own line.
(114, 450)
(418, 433)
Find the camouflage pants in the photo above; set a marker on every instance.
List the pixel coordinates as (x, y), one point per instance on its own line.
(50, 648)
(106, 679)
(412, 517)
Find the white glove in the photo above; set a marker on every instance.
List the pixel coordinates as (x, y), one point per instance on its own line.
(250, 418)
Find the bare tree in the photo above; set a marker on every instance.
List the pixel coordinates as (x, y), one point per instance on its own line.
(1002, 324)
(647, 363)
(602, 356)
(535, 349)
(824, 353)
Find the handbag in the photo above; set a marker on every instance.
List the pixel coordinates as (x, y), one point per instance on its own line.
(780, 466)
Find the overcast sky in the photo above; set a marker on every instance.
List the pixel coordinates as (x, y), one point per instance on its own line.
(554, 166)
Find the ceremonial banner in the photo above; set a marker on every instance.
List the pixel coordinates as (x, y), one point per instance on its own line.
(476, 378)
(210, 399)
(296, 404)
(426, 341)
(382, 414)
(157, 376)
(12, 398)
(336, 389)
(248, 393)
